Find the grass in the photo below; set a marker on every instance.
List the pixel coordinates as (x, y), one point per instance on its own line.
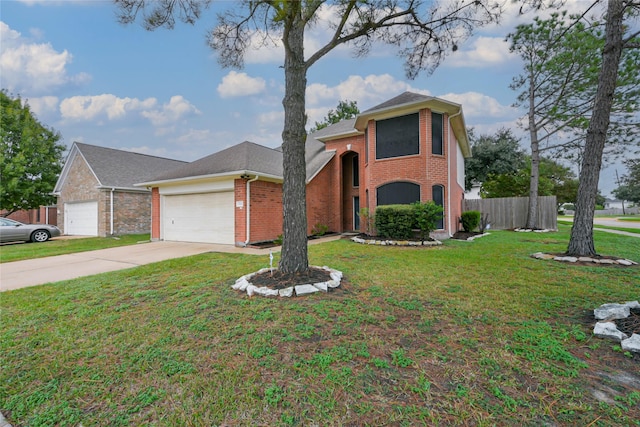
(22, 251)
(468, 333)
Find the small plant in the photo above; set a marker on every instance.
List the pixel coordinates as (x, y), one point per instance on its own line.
(398, 358)
(278, 240)
(470, 220)
(319, 229)
(484, 222)
(427, 215)
(367, 219)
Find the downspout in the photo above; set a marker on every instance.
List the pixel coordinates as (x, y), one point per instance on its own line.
(449, 132)
(248, 226)
(111, 212)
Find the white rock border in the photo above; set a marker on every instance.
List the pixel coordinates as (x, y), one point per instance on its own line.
(529, 230)
(243, 284)
(383, 242)
(571, 259)
(606, 328)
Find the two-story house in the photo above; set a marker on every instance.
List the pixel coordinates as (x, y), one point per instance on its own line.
(409, 148)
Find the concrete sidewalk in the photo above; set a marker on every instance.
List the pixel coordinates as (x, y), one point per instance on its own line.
(20, 274)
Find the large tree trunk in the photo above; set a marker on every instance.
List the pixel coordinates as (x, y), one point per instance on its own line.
(532, 216)
(294, 243)
(581, 242)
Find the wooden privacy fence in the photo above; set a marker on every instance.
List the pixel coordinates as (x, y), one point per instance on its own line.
(507, 213)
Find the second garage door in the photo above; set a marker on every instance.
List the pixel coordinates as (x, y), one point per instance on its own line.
(206, 217)
(81, 219)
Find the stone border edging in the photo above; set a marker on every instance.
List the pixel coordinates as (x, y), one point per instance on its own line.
(573, 259)
(607, 313)
(382, 242)
(243, 284)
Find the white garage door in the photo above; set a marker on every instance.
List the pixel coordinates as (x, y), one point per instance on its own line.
(81, 219)
(206, 217)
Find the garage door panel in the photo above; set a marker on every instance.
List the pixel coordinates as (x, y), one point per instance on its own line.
(206, 217)
(81, 219)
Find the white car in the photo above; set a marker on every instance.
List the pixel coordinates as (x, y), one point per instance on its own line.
(14, 231)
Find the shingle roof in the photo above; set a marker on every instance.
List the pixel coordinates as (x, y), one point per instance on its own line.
(246, 156)
(403, 98)
(119, 168)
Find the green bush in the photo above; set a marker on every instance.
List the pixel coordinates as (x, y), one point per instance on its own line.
(426, 216)
(395, 221)
(470, 220)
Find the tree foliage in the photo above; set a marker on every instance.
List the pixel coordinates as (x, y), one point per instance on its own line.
(557, 87)
(493, 155)
(555, 180)
(345, 110)
(30, 157)
(617, 38)
(630, 188)
(423, 32)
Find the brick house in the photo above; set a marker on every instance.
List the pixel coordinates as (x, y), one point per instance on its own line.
(409, 148)
(41, 215)
(96, 193)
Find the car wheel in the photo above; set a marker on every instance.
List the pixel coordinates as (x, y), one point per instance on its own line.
(40, 236)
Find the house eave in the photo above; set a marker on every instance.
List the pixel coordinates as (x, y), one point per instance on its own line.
(128, 189)
(211, 177)
(340, 135)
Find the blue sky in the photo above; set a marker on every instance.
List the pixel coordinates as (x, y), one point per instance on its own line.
(164, 93)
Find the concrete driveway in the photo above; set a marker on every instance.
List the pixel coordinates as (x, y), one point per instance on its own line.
(20, 274)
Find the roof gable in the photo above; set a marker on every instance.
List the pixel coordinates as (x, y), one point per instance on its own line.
(116, 168)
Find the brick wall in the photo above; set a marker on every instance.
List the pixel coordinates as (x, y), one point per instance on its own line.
(265, 213)
(132, 212)
(155, 213)
(35, 216)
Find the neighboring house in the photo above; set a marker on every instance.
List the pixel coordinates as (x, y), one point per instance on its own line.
(41, 215)
(409, 148)
(615, 204)
(474, 193)
(96, 193)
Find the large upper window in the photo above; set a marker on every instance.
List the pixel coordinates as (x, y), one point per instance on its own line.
(399, 136)
(437, 136)
(398, 193)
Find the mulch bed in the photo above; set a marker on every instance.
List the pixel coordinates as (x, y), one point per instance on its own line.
(279, 280)
(631, 324)
(464, 235)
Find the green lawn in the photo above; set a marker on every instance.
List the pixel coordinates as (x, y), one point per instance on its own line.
(468, 333)
(628, 230)
(22, 251)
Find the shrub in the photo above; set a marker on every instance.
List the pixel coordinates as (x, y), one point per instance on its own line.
(395, 221)
(367, 221)
(426, 216)
(470, 220)
(319, 229)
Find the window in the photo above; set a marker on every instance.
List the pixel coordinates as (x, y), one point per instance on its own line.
(398, 193)
(399, 136)
(356, 171)
(438, 198)
(366, 144)
(437, 137)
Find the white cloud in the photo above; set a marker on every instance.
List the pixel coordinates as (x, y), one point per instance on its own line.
(240, 84)
(33, 67)
(482, 52)
(101, 106)
(43, 105)
(477, 105)
(366, 91)
(271, 118)
(176, 109)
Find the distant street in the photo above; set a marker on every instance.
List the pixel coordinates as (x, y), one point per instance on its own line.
(611, 222)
